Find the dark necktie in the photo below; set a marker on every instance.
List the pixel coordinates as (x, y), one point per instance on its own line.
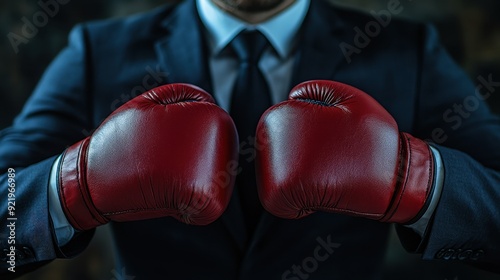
(250, 99)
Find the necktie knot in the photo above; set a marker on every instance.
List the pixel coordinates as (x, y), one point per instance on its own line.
(249, 46)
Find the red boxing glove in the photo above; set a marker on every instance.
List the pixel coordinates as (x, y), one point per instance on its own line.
(333, 148)
(157, 155)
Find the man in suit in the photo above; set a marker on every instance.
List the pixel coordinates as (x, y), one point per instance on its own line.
(403, 68)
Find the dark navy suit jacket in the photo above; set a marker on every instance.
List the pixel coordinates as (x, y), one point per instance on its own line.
(404, 68)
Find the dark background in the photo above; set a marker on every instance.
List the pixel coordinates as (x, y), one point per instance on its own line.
(469, 29)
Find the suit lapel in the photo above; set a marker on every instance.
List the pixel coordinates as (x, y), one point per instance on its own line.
(183, 54)
(318, 51)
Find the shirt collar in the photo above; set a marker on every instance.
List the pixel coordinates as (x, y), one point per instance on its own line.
(281, 30)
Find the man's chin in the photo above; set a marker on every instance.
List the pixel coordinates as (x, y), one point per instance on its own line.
(252, 6)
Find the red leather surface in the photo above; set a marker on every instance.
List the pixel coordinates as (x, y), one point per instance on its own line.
(332, 147)
(161, 154)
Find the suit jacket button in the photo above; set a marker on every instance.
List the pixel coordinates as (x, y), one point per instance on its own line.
(448, 254)
(477, 255)
(440, 254)
(465, 255)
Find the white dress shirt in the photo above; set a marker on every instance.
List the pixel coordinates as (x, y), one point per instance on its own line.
(276, 62)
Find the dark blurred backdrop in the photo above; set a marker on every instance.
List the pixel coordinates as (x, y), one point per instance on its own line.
(470, 29)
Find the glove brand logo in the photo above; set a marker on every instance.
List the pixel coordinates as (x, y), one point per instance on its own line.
(311, 264)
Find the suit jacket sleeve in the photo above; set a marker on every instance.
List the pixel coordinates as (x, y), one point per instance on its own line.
(56, 116)
(453, 115)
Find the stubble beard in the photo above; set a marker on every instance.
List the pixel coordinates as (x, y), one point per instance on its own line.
(252, 6)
